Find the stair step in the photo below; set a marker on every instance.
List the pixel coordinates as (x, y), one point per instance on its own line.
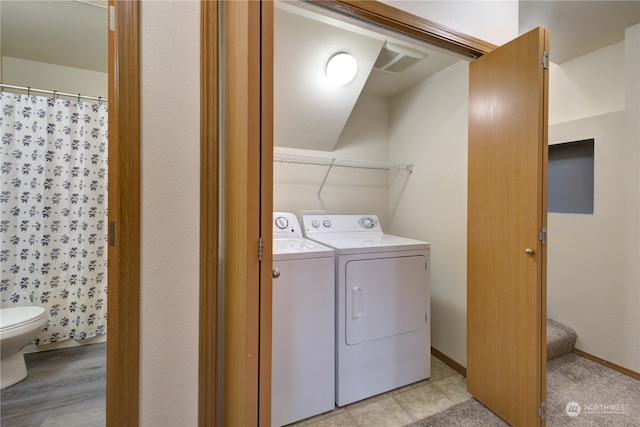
(561, 339)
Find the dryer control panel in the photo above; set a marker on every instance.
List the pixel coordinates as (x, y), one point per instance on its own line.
(340, 223)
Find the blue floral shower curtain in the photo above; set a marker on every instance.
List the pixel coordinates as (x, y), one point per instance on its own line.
(53, 224)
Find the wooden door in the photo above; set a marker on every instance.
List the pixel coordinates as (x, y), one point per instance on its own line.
(246, 158)
(506, 257)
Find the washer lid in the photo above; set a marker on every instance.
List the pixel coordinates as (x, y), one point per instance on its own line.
(357, 243)
(296, 248)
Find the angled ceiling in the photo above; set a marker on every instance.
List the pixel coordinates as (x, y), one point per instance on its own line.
(309, 111)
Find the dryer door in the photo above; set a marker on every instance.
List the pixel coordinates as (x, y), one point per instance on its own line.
(385, 297)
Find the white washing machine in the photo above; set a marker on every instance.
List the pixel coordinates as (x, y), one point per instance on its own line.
(383, 333)
(303, 355)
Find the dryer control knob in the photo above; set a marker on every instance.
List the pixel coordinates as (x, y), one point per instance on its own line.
(326, 223)
(315, 223)
(368, 222)
(282, 222)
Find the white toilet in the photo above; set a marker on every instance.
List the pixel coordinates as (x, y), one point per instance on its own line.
(18, 327)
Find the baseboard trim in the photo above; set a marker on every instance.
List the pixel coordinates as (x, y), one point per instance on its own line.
(608, 364)
(32, 348)
(463, 371)
(449, 362)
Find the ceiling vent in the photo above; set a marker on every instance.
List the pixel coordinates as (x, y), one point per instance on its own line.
(395, 59)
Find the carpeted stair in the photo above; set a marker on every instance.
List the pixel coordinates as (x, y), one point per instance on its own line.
(605, 397)
(560, 339)
(570, 378)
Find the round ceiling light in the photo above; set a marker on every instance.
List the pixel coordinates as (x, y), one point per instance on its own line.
(341, 68)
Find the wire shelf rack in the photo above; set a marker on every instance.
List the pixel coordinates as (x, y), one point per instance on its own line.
(331, 162)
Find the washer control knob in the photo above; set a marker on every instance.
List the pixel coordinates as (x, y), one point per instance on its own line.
(326, 223)
(282, 222)
(315, 223)
(275, 273)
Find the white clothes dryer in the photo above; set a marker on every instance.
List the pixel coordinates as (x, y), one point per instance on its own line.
(382, 305)
(303, 325)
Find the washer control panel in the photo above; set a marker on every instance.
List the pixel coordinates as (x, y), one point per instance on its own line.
(340, 223)
(285, 224)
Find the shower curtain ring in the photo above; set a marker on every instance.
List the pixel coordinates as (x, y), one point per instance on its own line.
(55, 94)
(78, 98)
(28, 90)
(100, 101)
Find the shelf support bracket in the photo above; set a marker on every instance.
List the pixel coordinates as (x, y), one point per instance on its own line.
(326, 175)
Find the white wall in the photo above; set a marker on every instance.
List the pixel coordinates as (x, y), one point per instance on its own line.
(429, 126)
(41, 75)
(346, 191)
(170, 64)
(588, 85)
(170, 192)
(593, 260)
(437, 136)
(1, 57)
(601, 82)
(492, 21)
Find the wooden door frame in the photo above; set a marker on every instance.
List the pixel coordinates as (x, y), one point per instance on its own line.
(123, 304)
(209, 214)
(247, 401)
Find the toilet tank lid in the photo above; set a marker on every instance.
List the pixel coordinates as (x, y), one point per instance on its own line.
(15, 315)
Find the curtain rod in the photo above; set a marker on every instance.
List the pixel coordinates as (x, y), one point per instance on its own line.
(29, 89)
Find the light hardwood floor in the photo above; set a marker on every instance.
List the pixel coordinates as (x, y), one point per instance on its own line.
(65, 387)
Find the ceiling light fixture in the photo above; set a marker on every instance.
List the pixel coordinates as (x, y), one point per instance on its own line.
(341, 68)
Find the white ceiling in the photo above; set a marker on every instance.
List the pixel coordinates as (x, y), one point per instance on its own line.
(579, 27)
(74, 33)
(311, 114)
(62, 32)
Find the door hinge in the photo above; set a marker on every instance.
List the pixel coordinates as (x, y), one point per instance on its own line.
(260, 248)
(112, 233)
(545, 60)
(543, 236)
(542, 410)
(112, 18)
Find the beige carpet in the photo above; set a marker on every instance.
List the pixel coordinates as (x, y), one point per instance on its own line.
(560, 339)
(596, 396)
